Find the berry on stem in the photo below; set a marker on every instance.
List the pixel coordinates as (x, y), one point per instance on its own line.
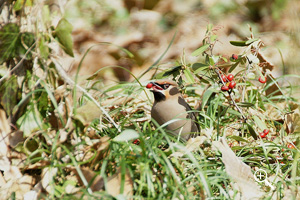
(224, 88)
(262, 135)
(232, 84)
(223, 77)
(266, 131)
(262, 79)
(230, 77)
(234, 56)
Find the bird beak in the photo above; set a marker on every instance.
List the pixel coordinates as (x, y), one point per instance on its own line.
(154, 87)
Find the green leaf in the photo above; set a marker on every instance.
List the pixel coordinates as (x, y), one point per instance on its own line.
(252, 131)
(13, 43)
(19, 4)
(189, 76)
(207, 94)
(46, 14)
(248, 42)
(261, 125)
(233, 67)
(213, 38)
(9, 94)
(199, 51)
(29, 122)
(197, 67)
(63, 32)
(44, 50)
(239, 43)
(245, 104)
(27, 40)
(209, 27)
(238, 138)
(173, 71)
(9, 40)
(126, 135)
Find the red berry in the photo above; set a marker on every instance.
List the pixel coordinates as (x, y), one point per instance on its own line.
(266, 131)
(223, 77)
(149, 85)
(262, 80)
(291, 146)
(230, 77)
(136, 141)
(262, 135)
(232, 84)
(234, 56)
(224, 88)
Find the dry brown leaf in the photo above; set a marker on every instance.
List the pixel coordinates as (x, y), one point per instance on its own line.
(4, 163)
(90, 175)
(12, 174)
(15, 182)
(101, 148)
(4, 124)
(34, 193)
(15, 138)
(264, 63)
(192, 144)
(48, 175)
(114, 184)
(238, 171)
(273, 113)
(273, 89)
(4, 131)
(87, 113)
(97, 146)
(38, 165)
(292, 122)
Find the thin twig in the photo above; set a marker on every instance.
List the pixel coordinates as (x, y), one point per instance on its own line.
(64, 75)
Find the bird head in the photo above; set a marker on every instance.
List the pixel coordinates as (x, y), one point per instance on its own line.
(163, 89)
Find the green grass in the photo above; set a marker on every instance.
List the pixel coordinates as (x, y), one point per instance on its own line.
(75, 152)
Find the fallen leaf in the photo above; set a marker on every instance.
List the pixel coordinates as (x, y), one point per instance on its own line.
(15, 138)
(12, 174)
(292, 122)
(4, 131)
(192, 144)
(238, 171)
(48, 175)
(90, 175)
(126, 135)
(273, 89)
(15, 182)
(87, 113)
(114, 184)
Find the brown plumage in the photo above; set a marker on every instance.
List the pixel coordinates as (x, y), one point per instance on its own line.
(168, 105)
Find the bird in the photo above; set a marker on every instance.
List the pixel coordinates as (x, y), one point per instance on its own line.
(169, 104)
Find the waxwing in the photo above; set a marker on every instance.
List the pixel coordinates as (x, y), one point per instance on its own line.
(169, 104)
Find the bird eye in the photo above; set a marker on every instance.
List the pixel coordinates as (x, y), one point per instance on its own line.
(166, 86)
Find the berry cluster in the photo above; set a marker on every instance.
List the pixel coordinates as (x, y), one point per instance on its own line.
(264, 133)
(229, 83)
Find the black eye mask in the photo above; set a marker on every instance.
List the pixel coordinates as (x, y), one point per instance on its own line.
(162, 86)
(165, 86)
